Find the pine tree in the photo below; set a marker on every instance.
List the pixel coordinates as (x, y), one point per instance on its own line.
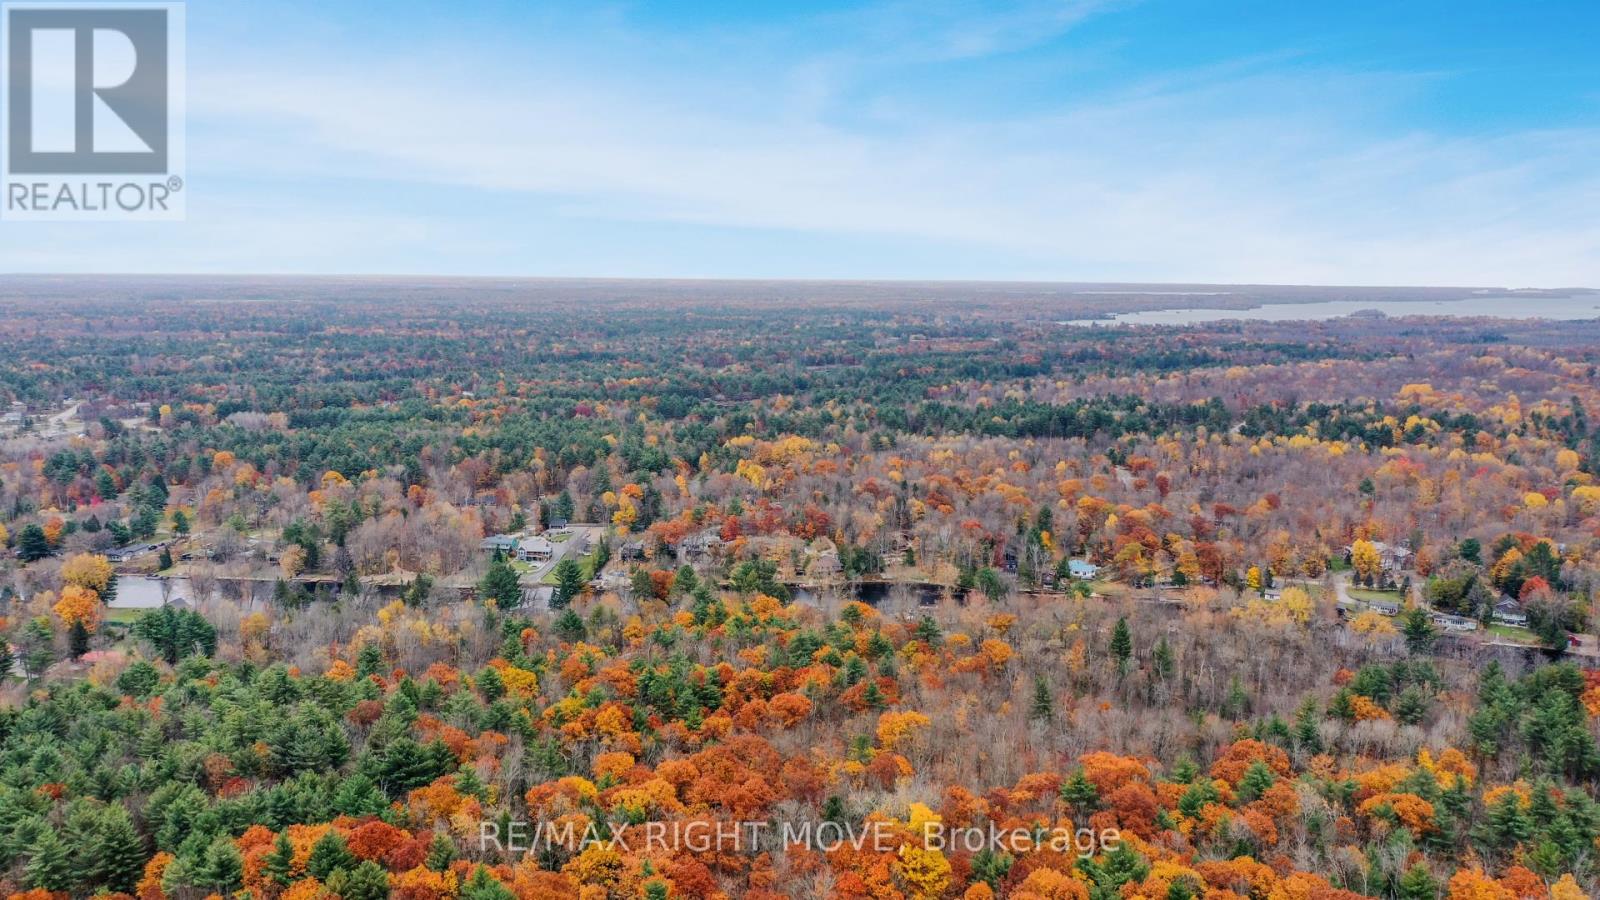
(872, 695)
(1504, 826)
(369, 660)
(1164, 663)
(32, 544)
(359, 796)
(490, 684)
(1122, 645)
(1237, 703)
(1342, 706)
(50, 863)
(1418, 630)
(500, 584)
(279, 864)
(483, 886)
(1306, 734)
(367, 881)
(1418, 884)
(569, 584)
(1080, 793)
(220, 868)
(441, 852)
(1411, 707)
(78, 639)
(1255, 782)
(328, 855)
(120, 854)
(1044, 703)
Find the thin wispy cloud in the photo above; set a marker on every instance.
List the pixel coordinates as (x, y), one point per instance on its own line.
(1264, 167)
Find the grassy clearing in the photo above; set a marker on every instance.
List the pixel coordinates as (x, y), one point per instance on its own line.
(1514, 633)
(124, 616)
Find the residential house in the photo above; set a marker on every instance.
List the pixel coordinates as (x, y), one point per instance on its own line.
(1509, 612)
(701, 544)
(1454, 623)
(502, 543)
(825, 566)
(1082, 568)
(536, 550)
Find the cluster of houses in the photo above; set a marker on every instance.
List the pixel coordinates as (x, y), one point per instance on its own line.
(557, 541)
(702, 546)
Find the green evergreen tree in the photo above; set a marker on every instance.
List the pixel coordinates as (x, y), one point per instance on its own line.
(500, 584)
(1307, 736)
(490, 684)
(328, 855)
(1080, 793)
(32, 545)
(1418, 884)
(569, 584)
(279, 863)
(220, 869)
(872, 696)
(1121, 645)
(1411, 707)
(1418, 630)
(359, 796)
(569, 626)
(369, 659)
(1504, 826)
(685, 581)
(1044, 702)
(1237, 703)
(367, 881)
(50, 864)
(441, 852)
(1255, 782)
(483, 886)
(1163, 660)
(119, 851)
(78, 639)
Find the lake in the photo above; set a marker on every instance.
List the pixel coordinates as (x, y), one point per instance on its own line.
(1585, 306)
(144, 591)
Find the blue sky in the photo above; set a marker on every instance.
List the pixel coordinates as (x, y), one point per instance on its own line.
(1167, 140)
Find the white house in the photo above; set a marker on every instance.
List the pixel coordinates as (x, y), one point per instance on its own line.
(535, 549)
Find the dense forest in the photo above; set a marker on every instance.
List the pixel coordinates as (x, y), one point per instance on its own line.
(334, 597)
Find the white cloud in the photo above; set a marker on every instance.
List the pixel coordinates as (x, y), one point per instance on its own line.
(1248, 172)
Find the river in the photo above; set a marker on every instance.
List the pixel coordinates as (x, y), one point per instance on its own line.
(1504, 306)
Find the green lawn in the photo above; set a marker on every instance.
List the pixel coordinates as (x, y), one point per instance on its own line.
(1513, 633)
(124, 616)
(1370, 596)
(586, 564)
